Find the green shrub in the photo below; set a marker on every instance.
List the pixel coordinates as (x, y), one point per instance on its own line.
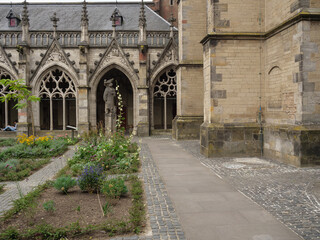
(64, 183)
(107, 208)
(90, 179)
(8, 166)
(49, 206)
(114, 188)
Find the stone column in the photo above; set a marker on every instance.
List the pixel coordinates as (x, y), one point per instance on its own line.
(143, 118)
(24, 115)
(83, 90)
(192, 28)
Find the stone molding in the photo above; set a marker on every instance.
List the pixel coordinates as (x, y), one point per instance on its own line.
(302, 16)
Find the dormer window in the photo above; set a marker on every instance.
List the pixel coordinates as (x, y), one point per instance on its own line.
(116, 18)
(13, 19)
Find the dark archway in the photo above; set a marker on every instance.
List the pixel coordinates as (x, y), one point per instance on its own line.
(165, 100)
(126, 92)
(7, 111)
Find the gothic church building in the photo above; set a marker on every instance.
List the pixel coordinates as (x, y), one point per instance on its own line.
(241, 76)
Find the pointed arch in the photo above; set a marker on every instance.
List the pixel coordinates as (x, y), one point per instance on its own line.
(7, 111)
(55, 55)
(164, 98)
(115, 56)
(58, 107)
(94, 84)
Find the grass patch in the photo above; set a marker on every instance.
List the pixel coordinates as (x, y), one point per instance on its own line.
(16, 170)
(7, 142)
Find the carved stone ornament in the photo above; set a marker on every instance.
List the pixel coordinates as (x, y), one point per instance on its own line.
(56, 56)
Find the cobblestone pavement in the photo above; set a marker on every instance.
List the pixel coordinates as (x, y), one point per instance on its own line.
(164, 223)
(13, 190)
(288, 193)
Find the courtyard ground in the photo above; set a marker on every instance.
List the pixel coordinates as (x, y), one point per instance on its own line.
(192, 197)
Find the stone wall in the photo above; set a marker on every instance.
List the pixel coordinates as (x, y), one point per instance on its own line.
(280, 66)
(295, 145)
(282, 100)
(228, 18)
(192, 28)
(235, 81)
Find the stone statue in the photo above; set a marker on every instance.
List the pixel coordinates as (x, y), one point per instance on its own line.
(109, 96)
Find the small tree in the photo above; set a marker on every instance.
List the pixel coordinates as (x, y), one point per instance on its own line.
(18, 91)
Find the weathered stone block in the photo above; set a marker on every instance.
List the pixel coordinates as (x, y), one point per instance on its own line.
(295, 145)
(229, 140)
(185, 127)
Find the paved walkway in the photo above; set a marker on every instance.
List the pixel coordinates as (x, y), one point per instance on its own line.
(208, 207)
(192, 197)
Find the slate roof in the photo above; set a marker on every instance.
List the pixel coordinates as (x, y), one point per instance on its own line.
(70, 16)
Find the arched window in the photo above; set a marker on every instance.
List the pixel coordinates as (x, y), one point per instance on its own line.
(7, 112)
(58, 101)
(165, 100)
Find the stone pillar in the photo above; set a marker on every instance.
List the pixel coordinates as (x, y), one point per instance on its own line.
(24, 115)
(143, 109)
(143, 97)
(83, 90)
(192, 28)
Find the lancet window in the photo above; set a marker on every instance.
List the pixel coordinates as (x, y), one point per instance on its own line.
(7, 112)
(58, 101)
(165, 95)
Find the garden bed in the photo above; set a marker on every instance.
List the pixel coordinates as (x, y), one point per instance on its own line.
(76, 214)
(29, 154)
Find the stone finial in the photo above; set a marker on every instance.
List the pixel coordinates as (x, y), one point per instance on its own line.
(172, 19)
(84, 15)
(142, 17)
(55, 21)
(25, 14)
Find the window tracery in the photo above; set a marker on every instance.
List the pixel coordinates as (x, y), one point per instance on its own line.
(6, 109)
(165, 90)
(57, 86)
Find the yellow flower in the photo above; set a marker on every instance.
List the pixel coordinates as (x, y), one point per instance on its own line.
(62, 189)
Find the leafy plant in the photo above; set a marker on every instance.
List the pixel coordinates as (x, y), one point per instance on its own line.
(114, 188)
(49, 206)
(107, 208)
(2, 188)
(64, 183)
(10, 233)
(90, 179)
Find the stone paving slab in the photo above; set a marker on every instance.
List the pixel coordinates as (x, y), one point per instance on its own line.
(209, 207)
(287, 192)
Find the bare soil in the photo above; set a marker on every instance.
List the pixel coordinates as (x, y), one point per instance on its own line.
(67, 211)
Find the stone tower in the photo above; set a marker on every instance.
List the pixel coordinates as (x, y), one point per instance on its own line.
(262, 80)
